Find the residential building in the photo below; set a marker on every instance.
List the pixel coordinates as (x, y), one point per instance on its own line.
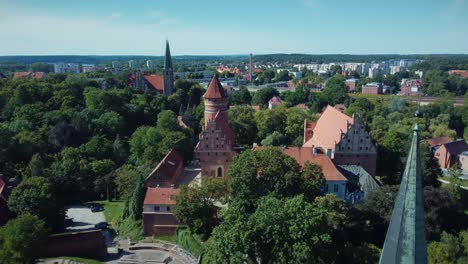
(158, 216)
(215, 148)
(150, 64)
(6, 187)
(405, 241)
(411, 87)
(372, 88)
(165, 174)
(66, 67)
(448, 153)
(335, 182)
(360, 183)
(35, 75)
(88, 67)
(274, 102)
(342, 138)
(463, 160)
(461, 73)
(132, 64)
(351, 84)
(435, 143)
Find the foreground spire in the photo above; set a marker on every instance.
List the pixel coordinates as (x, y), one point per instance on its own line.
(168, 72)
(406, 236)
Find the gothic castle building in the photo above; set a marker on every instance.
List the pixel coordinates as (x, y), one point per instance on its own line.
(215, 149)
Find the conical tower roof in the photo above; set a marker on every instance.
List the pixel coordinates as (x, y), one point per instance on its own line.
(168, 60)
(405, 241)
(215, 89)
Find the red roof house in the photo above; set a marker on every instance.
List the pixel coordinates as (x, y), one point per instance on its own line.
(335, 181)
(36, 75)
(462, 73)
(436, 142)
(448, 153)
(274, 102)
(158, 218)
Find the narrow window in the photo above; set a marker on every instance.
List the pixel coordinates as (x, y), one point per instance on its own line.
(336, 187)
(220, 172)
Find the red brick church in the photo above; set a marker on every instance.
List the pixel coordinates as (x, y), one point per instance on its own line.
(215, 149)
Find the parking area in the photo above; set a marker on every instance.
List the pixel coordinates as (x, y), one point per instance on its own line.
(83, 218)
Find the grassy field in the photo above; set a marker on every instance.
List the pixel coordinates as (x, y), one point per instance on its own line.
(112, 210)
(186, 240)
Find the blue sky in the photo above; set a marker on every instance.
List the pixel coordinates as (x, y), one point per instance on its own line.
(205, 27)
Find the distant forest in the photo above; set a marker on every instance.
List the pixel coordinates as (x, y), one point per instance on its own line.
(453, 59)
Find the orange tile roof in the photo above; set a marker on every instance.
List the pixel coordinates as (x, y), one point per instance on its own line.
(163, 196)
(37, 75)
(434, 142)
(167, 166)
(304, 154)
(215, 89)
(155, 82)
(462, 73)
(327, 131)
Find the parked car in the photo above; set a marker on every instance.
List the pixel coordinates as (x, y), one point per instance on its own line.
(97, 209)
(101, 225)
(68, 222)
(90, 205)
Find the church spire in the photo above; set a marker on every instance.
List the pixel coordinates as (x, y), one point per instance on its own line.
(405, 241)
(168, 59)
(168, 73)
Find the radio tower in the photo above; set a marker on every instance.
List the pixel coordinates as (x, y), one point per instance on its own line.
(250, 70)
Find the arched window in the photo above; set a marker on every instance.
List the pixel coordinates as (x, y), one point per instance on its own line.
(220, 172)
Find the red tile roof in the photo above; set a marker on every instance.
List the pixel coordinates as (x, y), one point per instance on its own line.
(215, 89)
(462, 73)
(302, 106)
(162, 196)
(36, 75)
(328, 128)
(155, 82)
(434, 142)
(167, 168)
(304, 154)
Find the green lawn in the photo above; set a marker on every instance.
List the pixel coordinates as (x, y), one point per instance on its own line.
(186, 240)
(112, 210)
(462, 182)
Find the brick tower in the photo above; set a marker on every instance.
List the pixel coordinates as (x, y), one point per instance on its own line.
(215, 148)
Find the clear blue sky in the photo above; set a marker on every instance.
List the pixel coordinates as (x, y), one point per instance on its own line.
(205, 27)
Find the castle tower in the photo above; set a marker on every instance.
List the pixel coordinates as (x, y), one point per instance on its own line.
(405, 241)
(215, 148)
(168, 72)
(216, 100)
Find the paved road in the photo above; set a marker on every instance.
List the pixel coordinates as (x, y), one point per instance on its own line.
(83, 218)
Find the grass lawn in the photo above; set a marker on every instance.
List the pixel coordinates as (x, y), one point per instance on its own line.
(81, 260)
(112, 210)
(449, 179)
(185, 240)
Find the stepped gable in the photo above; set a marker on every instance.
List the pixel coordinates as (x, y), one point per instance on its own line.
(328, 128)
(215, 89)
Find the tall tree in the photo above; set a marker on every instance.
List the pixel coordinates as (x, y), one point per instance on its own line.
(22, 239)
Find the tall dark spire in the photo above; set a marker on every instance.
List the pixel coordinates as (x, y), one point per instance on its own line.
(405, 241)
(168, 72)
(168, 59)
